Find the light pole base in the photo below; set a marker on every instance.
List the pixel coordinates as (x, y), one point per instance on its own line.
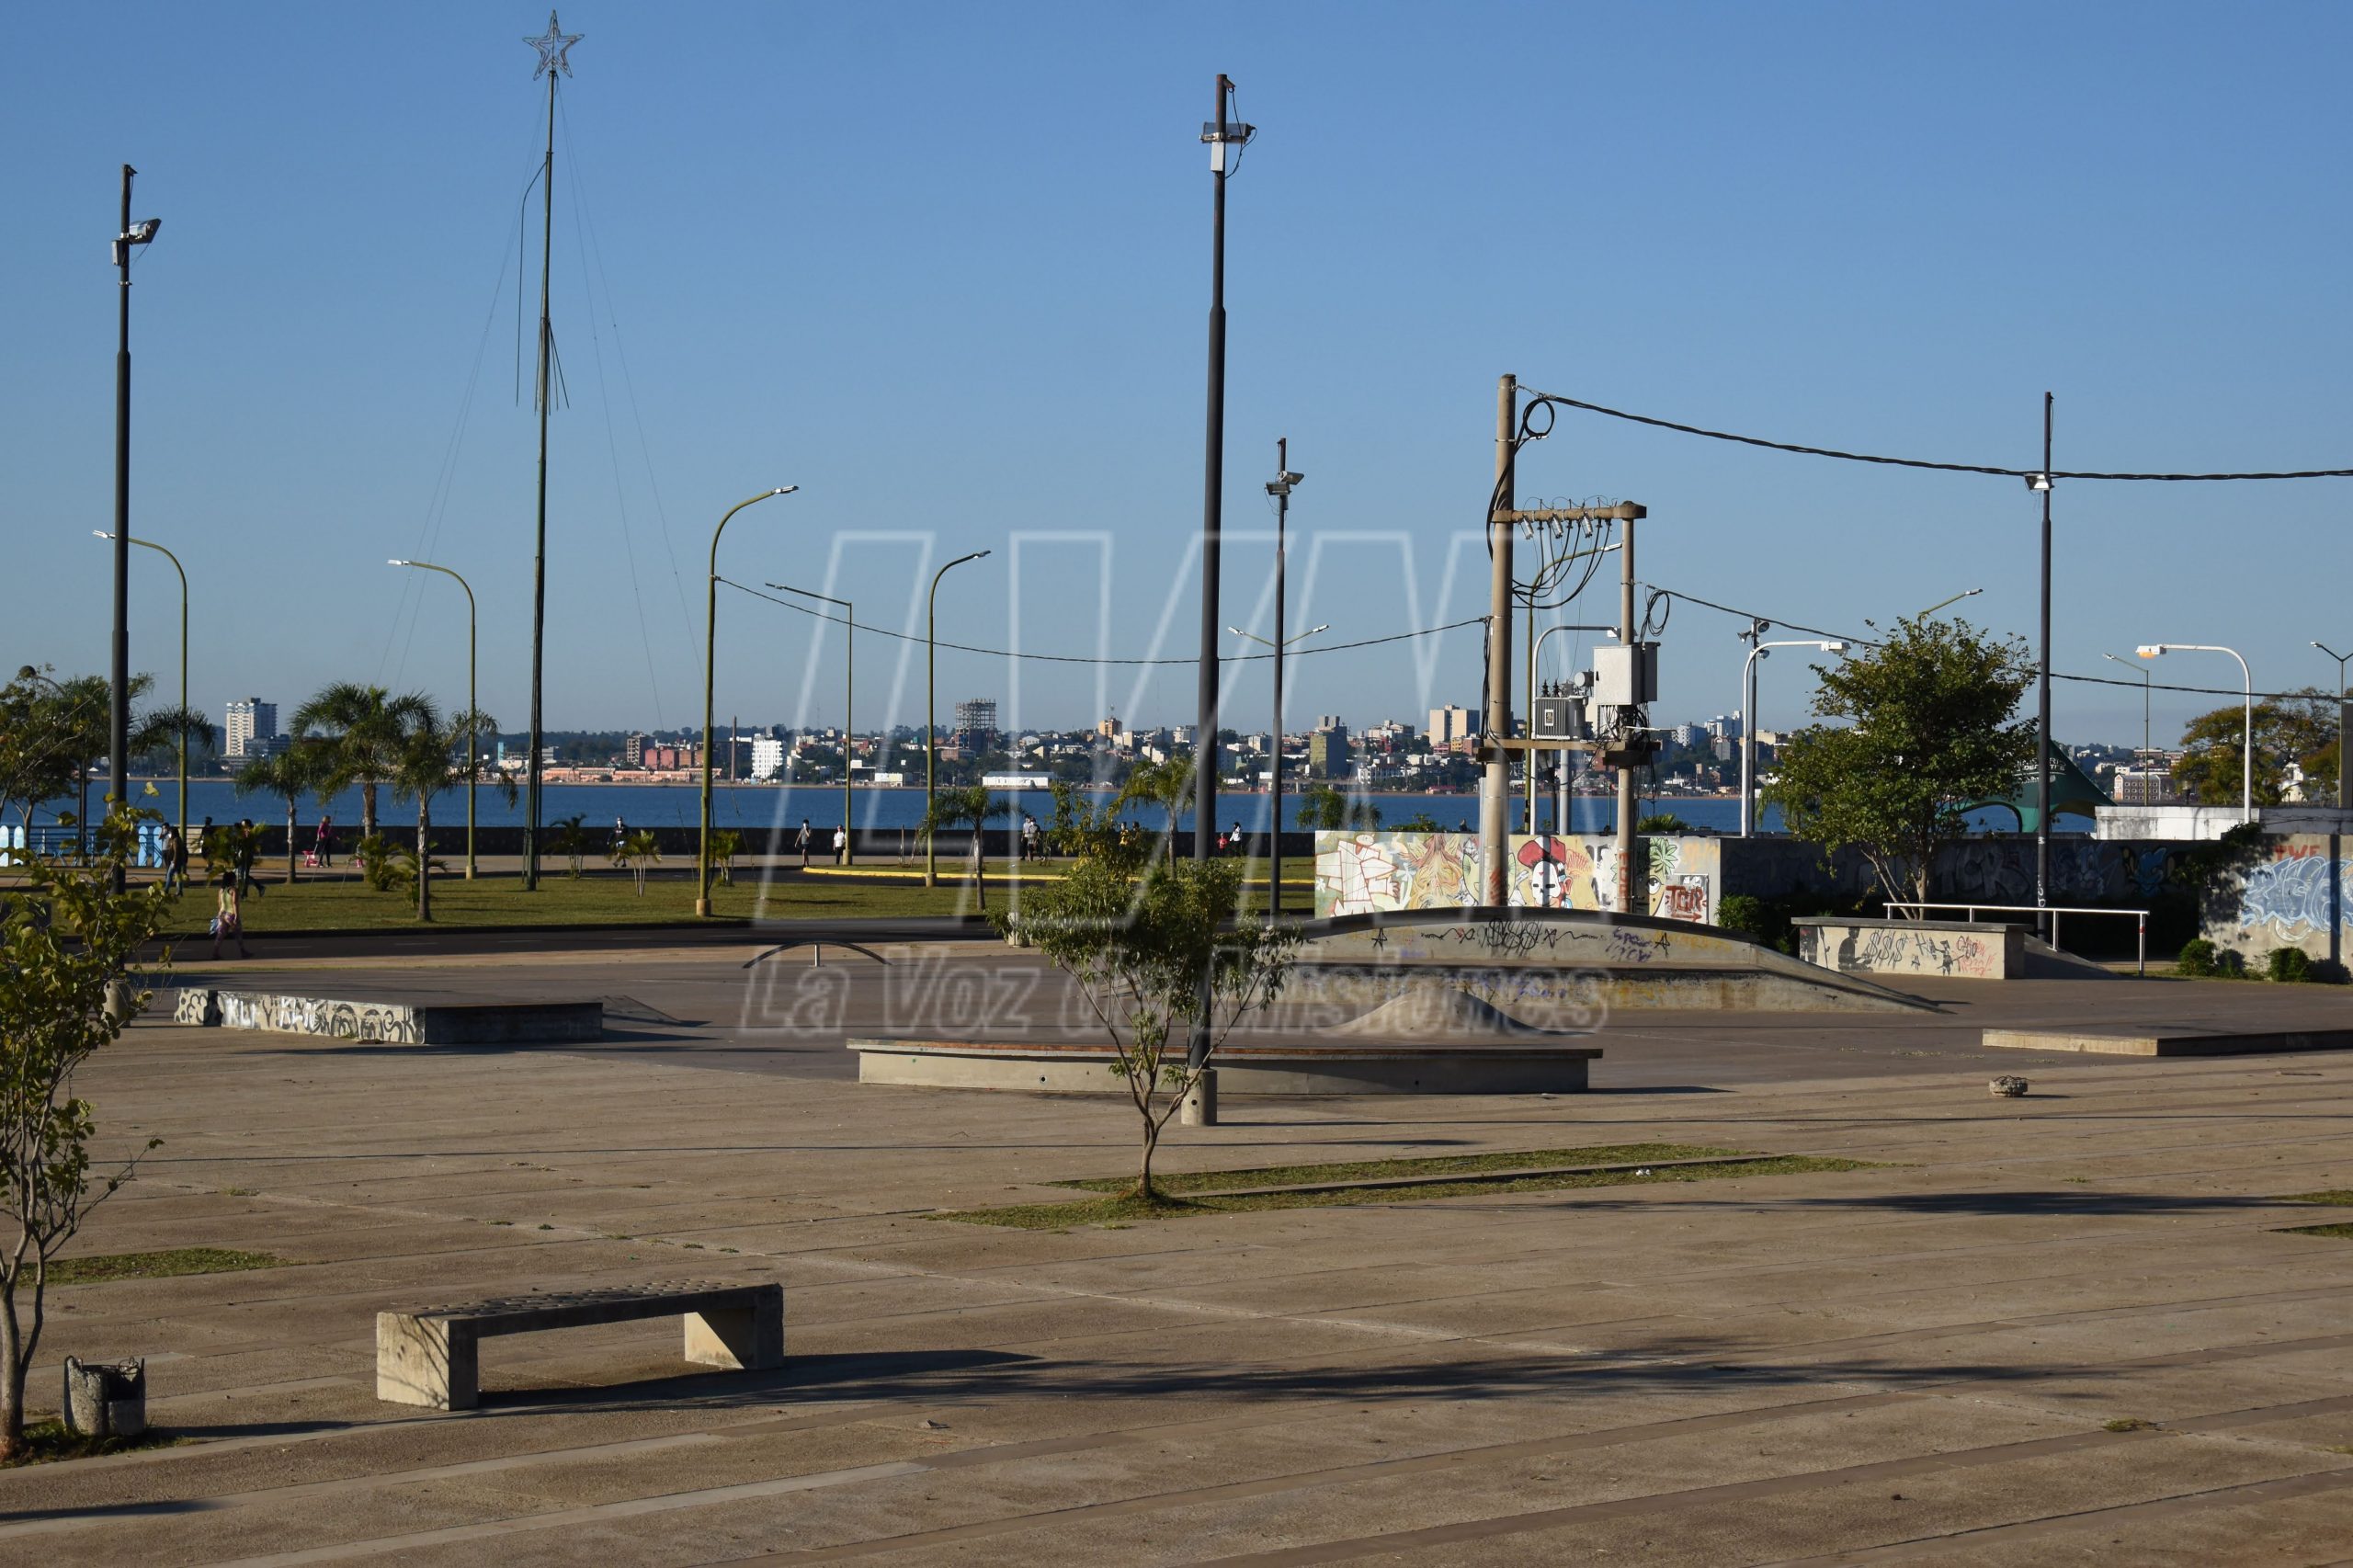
(703, 908)
(1199, 1109)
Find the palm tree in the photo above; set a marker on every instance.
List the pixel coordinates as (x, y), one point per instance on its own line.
(366, 729)
(432, 757)
(971, 806)
(289, 775)
(1168, 785)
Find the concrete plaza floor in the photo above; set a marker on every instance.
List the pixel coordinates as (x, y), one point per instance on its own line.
(1914, 1363)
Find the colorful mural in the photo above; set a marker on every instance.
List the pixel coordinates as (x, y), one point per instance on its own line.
(1363, 873)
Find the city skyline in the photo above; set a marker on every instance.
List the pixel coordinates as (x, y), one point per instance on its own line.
(1945, 301)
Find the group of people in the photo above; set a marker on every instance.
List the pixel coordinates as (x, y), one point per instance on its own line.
(807, 837)
(235, 878)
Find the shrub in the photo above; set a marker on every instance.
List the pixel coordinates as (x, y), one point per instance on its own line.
(2292, 965)
(1663, 823)
(2197, 960)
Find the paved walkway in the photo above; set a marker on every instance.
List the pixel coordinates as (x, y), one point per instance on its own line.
(1914, 1363)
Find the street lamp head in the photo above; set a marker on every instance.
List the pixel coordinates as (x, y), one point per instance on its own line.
(2150, 650)
(2038, 481)
(101, 533)
(1832, 647)
(784, 490)
(1313, 629)
(142, 232)
(400, 562)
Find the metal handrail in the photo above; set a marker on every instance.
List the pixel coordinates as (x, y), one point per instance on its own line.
(2141, 916)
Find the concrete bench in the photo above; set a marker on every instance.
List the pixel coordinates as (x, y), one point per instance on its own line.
(429, 1358)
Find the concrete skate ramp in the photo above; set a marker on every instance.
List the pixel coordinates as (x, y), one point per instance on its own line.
(1437, 1010)
(1566, 967)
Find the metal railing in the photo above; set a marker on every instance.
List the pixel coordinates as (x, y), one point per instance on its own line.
(2140, 919)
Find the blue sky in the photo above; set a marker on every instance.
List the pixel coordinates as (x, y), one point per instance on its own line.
(945, 268)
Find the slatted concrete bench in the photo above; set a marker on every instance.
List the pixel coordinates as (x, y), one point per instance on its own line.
(430, 1357)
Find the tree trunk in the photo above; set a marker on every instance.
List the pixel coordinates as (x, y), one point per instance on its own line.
(979, 872)
(12, 1377)
(290, 842)
(368, 809)
(1143, 1169)
(424, 854)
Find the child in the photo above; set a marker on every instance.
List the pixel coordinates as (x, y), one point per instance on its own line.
(228, 919)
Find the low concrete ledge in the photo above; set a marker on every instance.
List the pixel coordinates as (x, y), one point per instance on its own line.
(2183, 1044)
(415, 1021)
(1950, 949)
(1356, 1068)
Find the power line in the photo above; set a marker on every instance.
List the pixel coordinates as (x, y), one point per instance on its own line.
(2055, 675)
(1090, 659)
(1543, 397)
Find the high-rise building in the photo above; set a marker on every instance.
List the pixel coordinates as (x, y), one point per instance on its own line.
(1327, 749)
(768, 756)
(976, 723)
(246, 721)
(633, 749)
(1449, 725)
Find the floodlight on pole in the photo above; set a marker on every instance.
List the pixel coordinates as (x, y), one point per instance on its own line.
(2246, 746)
(1748, 720)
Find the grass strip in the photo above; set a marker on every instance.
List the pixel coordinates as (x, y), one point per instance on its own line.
(156, 1265)
(48, 1441)
(2342, 1232)
(2334, 1194)
(1122, 1209)
(1518, 1160)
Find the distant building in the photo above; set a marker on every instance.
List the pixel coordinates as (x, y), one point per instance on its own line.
(1449, 725)
(767, 757)
(976, 723)
(1327, 750)
(633, 750)
(247, 722)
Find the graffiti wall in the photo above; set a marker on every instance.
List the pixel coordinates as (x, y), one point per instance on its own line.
(2294, 895)
(1363, 873)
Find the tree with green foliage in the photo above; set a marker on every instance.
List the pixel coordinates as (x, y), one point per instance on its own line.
(971, 806)
(1663, 824)
(1322, 807)
(67, 945)
(1139, 935)
(569, 838)
(1168, 785)
(289, 775)
(365, 730)
(1929, 727)
(2300, 728)
(433, 758)
(637, 854)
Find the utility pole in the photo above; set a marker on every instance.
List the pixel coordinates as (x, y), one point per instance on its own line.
(2043, 700)
(1226, 137)
(118, 718)
(554, 48)
(1630, 884)
(1280, 488)
(1495, 782)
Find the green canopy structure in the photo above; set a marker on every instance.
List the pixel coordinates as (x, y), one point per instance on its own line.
(2071, 789)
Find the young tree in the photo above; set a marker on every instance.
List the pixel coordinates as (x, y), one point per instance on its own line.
(66, 947)
(971, 806)
(1323, 807)
(2298, 729)
(433, 758)
(1929, 730)
(1138, 934)
(366, 730)
(639, 853)
(289, 775)
(1168, 785)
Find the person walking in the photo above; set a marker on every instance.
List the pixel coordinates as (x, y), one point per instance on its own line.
(800, 842)
(174, 861)
(620, 834)
(229, 916)
(1028, 836)
(841, 846)
(323, 848)
(240, 856)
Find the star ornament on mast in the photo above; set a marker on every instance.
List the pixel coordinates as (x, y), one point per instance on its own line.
(553, 46)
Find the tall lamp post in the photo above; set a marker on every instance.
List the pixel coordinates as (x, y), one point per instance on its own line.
(2341, 659)
(1275, 838)
(118, 722)
(710, 649)
(2246, 746)
(2144, 675)
(2040, 483)
(849, 701)
(474, 707)
(150, 544)
(931, 708)
(1748, 722)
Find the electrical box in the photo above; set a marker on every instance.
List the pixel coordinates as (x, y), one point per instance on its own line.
(1559, 719)
(1625, 674)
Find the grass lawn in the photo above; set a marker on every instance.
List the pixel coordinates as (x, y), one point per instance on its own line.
(599, 900)
(1120, 1210)
(155, 1265)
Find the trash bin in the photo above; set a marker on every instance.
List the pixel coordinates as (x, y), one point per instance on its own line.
(106, 1399)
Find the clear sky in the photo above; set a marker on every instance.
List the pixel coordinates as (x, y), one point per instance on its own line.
(946, 267)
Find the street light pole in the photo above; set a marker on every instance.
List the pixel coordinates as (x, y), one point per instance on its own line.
(709, 649)
(1748, 722)
(1279, 487)
(1275, 877)
(2246, 746)
(930, 709)
(1964, 593)
(150, 544)
(2340, 659)
(119, 719)
(2041, 483)
(849, 704)
(474, 705)
(2144, 694)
